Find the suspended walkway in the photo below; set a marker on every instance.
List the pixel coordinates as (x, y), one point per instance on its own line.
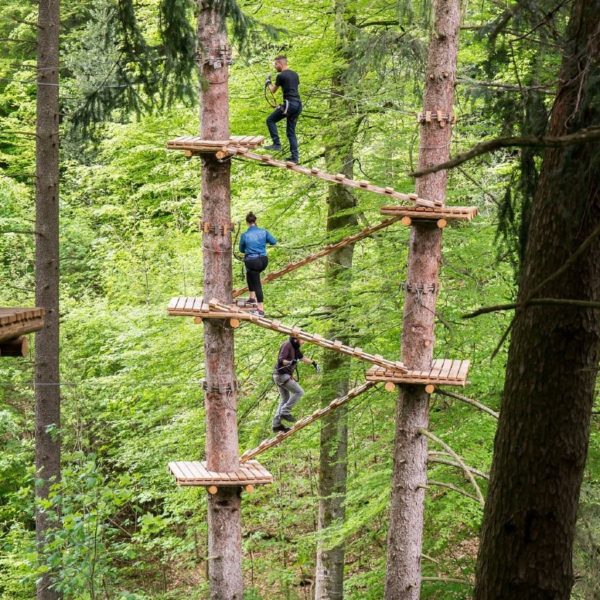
(442, 372)
(242, 146)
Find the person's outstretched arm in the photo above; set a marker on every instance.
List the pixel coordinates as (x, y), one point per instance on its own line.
(271, 238)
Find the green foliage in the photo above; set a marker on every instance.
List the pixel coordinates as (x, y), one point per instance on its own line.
(129, 209)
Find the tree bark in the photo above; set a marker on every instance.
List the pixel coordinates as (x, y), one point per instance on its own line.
(542, 438)
(47, 390)
(333, 466)
(224, 517)
(403, 575)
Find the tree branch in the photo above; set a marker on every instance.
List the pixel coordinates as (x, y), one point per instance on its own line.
(450, 486)
(383, 22)
(470, 401)
(583, 136)
(536, 301)
(445, 461)
(458, 459)
(448, 580)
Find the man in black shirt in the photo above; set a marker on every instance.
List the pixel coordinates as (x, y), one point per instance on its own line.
(291, 108)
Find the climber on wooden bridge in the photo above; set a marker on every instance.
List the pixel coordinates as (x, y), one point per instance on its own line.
(290, 110)
(253, 244)
(290, 390)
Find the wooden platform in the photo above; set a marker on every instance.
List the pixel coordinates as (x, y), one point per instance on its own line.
(443, 372)
(442, 216)
(195, 306)
(195, 473)
(192, 145)
(222, 149)
(302, 423)
(15, 322)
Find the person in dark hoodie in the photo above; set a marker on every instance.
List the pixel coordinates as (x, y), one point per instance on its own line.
(290, 390)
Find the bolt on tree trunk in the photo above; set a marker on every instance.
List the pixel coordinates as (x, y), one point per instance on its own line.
(224, 517)
(543, 431)
(403, 575)
(47, 390)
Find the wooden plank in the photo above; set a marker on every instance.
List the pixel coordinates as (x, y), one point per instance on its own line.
(464, 369)
(445, 369)
(454, 369)
(175, 470)
(186, 474)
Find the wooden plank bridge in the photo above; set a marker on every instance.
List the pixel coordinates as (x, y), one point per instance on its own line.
(351, 239)
(242, 146)
(195, 306)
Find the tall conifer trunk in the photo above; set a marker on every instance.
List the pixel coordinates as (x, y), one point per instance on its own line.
(224, 518)
(403, 576)
(339, 158)
(47, 390)
(541, 443)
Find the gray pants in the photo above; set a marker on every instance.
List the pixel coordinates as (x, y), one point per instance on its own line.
(290, 392)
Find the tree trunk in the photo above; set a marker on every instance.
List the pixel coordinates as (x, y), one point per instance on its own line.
(403, 576)
(541, 443)
(47, 390)
(224, 518)
(333, 471)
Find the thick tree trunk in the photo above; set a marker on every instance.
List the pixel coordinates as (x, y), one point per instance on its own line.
(224, 517)
(541, 443)
(47, 390)
(339, 158)
(403, 576)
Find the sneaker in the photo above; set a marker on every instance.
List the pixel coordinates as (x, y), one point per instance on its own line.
(294, 160)
(290, 418)
(281, 428)
(273, 148)
(258, 313)
(250, 301)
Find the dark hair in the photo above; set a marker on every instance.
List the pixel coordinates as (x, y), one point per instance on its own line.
(281, 57)
(250, 218)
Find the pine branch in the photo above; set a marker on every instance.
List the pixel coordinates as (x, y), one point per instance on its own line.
(583, 136)
(458, 459)
(470, 401)
(447, 580)
(450, 486)
(536, 301)
(444, 461)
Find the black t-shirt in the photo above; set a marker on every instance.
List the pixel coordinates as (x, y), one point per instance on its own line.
(288, 81)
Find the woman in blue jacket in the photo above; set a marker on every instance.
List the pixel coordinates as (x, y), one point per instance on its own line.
(253, 244)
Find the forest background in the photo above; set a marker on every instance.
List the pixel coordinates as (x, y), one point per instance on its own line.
(129, 241)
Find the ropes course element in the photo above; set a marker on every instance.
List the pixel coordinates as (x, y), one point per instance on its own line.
(195, 306)
(351, 239)
(302, 423)
(241, 145)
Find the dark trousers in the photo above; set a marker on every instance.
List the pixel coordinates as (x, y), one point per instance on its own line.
(254, 267)
(294, 108)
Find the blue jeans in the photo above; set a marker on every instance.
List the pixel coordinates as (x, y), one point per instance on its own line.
(294, 108)
(289, 392)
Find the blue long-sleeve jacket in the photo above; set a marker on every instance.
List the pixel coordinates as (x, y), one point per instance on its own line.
(254, 241)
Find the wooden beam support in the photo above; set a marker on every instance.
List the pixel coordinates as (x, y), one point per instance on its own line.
(18, 346)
